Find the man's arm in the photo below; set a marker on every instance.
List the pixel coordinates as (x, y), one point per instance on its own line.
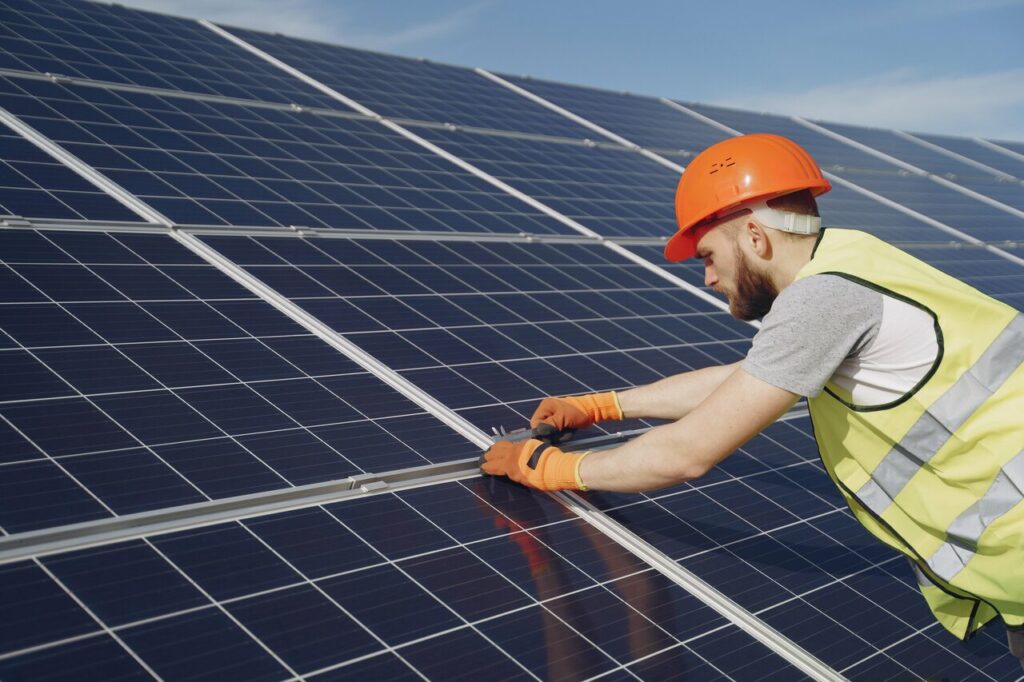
(675, 396)
(669, 398)
(739, 408)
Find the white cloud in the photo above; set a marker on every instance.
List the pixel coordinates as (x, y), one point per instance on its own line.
(988, 104)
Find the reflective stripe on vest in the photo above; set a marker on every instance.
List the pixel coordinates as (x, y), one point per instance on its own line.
(1005, 493)
(947, 414)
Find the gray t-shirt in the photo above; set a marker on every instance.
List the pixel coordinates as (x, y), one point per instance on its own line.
(814, 325)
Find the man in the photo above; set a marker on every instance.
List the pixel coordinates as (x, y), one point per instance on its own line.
(915, 383)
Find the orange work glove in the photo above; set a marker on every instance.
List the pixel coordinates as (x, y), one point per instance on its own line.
(575, 411)
(534, 463)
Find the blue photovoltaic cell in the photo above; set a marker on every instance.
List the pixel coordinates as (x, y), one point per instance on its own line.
(33, 184)
(113, 43)
(321, 590)
(768, 528)
(611, 190)
(935, 162)
(1002, 161)
(412, 88)
(138, 378)
(211, 163)
(491, 328)
(642, 120)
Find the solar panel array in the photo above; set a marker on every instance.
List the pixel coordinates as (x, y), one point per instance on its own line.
(337, 299)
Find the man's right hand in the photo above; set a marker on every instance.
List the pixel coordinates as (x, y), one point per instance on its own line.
(576, 412)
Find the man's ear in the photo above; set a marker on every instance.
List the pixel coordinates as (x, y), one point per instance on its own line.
(757, 239)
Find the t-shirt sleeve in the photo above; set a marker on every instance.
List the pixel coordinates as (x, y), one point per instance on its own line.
(814, 325)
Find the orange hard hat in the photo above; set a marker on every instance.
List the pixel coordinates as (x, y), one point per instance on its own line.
(734, 171)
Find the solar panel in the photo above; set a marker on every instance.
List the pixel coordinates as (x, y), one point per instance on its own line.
(456, 580)
(139, 377)
(643, 120)
(489, 328)
(1013, 147)
(112, 43)
(611, 190)
(964, 174)
(33, 184)
(210, 163)
(413, 88)
(976, 151)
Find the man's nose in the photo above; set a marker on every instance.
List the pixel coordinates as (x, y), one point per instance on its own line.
(710, 277)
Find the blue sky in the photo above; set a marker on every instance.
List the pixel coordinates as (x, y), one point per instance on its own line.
(920, 65)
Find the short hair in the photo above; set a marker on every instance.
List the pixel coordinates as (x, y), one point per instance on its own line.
(801, 203)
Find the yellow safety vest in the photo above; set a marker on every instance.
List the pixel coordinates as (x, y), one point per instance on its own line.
(939, 473)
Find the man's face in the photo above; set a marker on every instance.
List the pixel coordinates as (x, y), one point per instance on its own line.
(728, 270)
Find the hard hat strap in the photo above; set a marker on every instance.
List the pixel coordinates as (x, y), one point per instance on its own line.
(784, 221)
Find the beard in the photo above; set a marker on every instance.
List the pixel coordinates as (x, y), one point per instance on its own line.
(755, 292)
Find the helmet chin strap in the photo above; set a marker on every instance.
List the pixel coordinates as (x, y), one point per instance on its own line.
(784, 221)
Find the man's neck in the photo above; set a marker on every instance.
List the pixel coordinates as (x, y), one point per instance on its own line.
(790, 256)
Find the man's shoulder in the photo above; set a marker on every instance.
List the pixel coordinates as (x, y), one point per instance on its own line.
(828, 294)
(813, 326)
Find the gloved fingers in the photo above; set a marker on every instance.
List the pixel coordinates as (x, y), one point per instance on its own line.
(552, 434)
(547, 408)
(494, 467)
(561, 414)
(497, 458)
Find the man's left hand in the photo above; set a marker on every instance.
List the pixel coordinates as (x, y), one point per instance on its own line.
(533, 463)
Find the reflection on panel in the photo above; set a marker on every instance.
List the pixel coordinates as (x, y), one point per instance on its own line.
(452, 581)
(769, 529)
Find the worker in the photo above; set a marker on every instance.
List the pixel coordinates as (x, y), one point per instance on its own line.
(914, 383)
